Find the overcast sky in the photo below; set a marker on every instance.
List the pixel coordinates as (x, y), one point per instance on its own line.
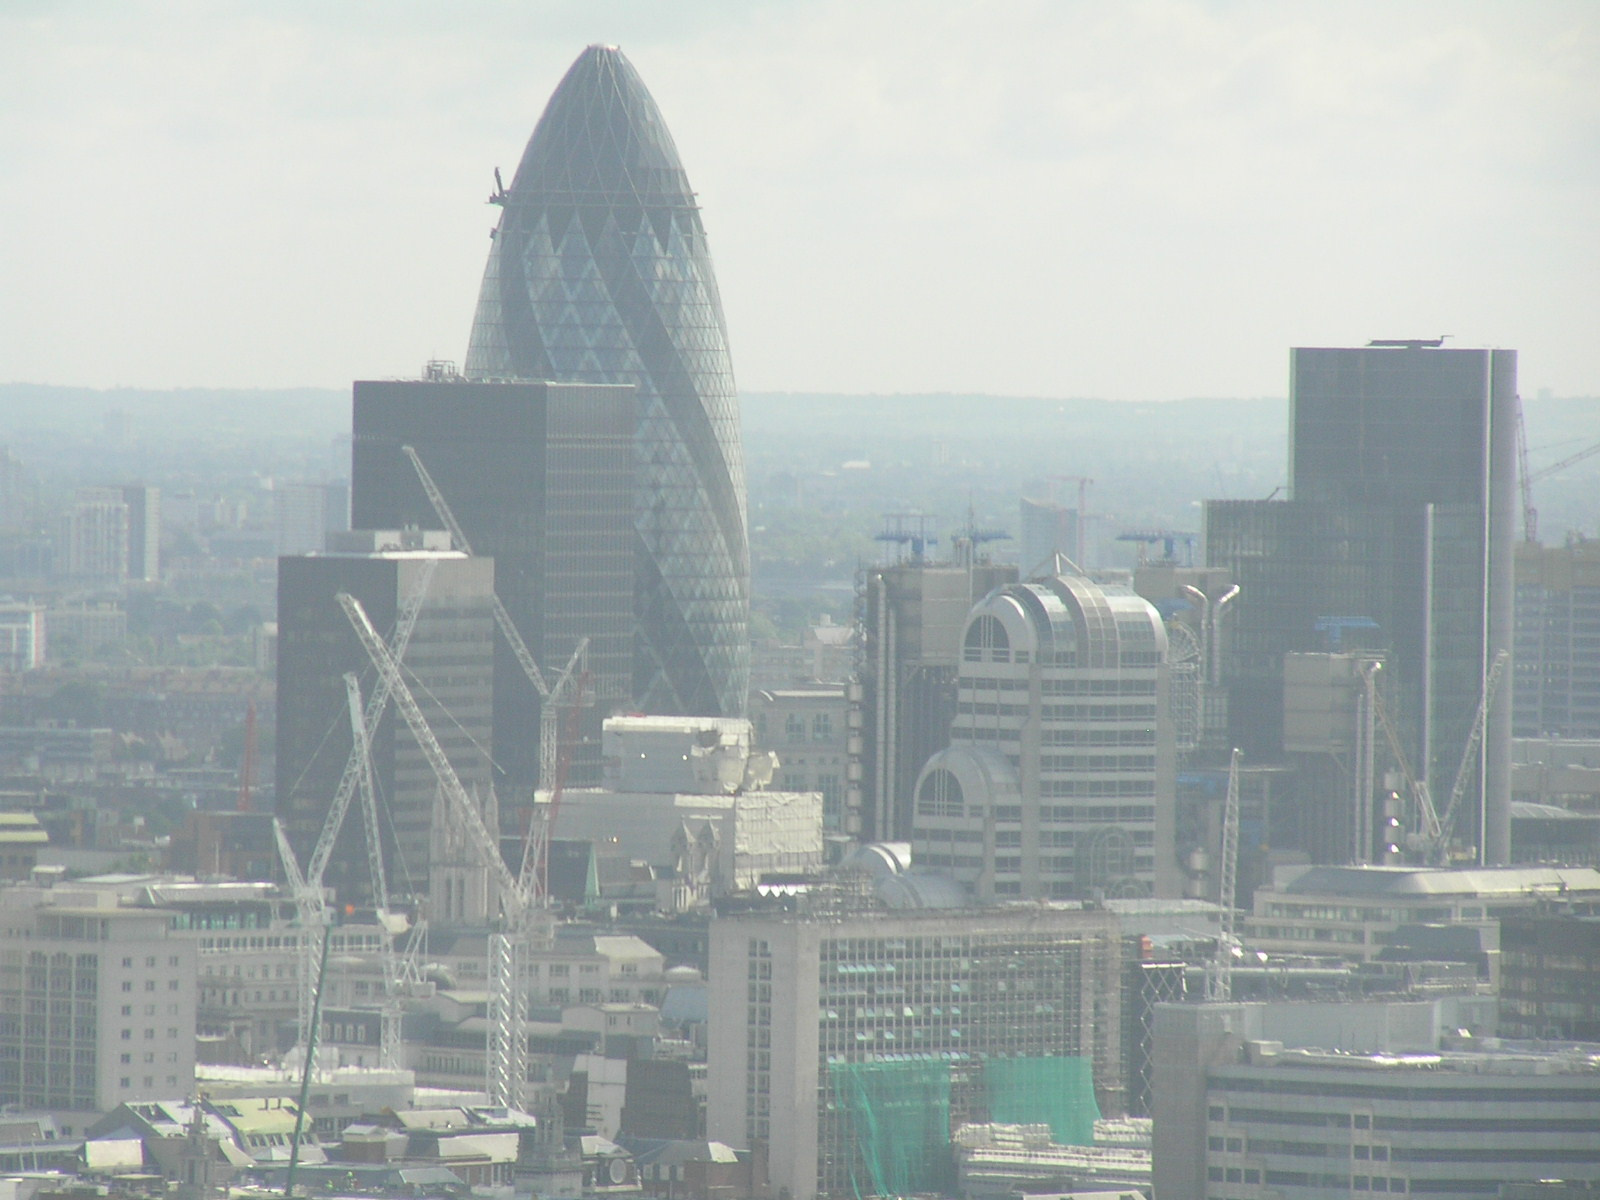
(1140, 200)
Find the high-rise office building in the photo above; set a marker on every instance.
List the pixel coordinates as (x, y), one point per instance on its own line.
(303, 514)
(1047, 529)
(97, 1004)
(904, 697)
(1397, 536)
(144, 532)
(97, 535)
(449, 659)
(599, 273)
(1557, 682)
(540, 477)
(1059, 778)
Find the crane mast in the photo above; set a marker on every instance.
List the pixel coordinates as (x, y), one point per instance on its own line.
(1219, 979)
(568, 688)
(1439, 850)
(507, 1065)
(306, 886)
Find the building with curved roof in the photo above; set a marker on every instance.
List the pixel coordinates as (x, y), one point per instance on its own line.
(599, 273)
(1059, 777)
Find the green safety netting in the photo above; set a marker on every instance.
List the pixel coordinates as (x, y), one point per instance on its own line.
(898, 1114)
(1053, 1091)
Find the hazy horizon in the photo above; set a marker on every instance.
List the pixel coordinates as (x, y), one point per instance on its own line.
(1149, 201)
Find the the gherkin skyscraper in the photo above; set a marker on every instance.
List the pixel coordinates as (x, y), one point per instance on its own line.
(599, 273)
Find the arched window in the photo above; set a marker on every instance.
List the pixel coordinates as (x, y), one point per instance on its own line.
(986, 641)
(940, 795)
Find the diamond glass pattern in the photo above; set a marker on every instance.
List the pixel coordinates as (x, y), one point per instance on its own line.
(599, 273)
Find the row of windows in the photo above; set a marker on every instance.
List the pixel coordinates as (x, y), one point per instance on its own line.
(1099, 687)
(1098, 737)
(1098, 762)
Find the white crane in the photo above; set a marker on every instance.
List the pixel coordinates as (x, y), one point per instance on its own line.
(1432, 837)
(507, 1057)
(566, 691)
(306, 886)
(1219, 979)
(1439, 847)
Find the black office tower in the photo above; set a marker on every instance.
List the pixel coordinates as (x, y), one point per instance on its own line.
(449, 659)
(1397, 536)
(599, 272)
(540, 477)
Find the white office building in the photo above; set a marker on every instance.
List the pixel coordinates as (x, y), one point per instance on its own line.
(1059, 778)
(97, 1001)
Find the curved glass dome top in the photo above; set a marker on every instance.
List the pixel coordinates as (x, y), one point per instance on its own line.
(1065, 620)
(599, 273)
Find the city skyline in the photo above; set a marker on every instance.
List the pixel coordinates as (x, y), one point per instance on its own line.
(946, 199)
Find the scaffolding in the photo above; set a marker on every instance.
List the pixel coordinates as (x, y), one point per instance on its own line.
(1057, 1091)
(898, 1114)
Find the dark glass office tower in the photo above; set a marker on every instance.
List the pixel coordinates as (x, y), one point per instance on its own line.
(1401, 514)
(599, 273)
(541, 478)
(449, 655)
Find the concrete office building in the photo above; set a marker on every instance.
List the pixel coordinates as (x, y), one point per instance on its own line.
(303, 514)
(809, 1012)
(1353, 912)
(1290, 1101)
(22, 635)
(687, 797)
(97, 1002)
(450, 662)
(1397, 536)
(144, 532)
(808, 729)
(97, 535)
(1550, 975)
(599, 272)
(540, 477)
(1048, 529)
(1556, 686)
(1059, 778)
(904, 697)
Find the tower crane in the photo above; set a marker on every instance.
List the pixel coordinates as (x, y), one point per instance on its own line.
(1439, 847)
(507, 1057)
(551, 698)
(306, 886)
(1424, 813)
(908, 529)
(1530, 515)
(1084, 483)
(1219, 979)
(1169, 540)
(1432, 837)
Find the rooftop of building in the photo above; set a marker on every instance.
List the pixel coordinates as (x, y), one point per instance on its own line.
(1528, 810)
(1492, 1056)
(21, 829)
(848, 906)
(1438, 881)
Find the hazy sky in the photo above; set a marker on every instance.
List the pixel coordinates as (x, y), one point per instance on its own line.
(1131, 200)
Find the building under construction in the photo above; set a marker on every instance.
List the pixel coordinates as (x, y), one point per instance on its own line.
(450, 652)
(877, 1033)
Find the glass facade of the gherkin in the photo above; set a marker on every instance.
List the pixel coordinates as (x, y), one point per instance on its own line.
(599, 273)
